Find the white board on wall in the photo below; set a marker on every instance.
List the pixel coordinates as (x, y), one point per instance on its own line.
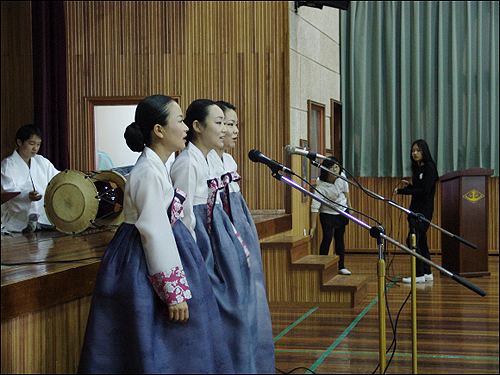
(110, 122)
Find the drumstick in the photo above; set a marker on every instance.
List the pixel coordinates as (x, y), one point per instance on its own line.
(32, 183)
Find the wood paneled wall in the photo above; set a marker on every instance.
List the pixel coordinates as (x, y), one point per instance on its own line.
(494, 216)
(47, 341)
(230, 50)
(17, 71)
(235, 51)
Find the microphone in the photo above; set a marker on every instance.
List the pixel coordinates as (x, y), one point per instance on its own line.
(259, 157)
(311, 155)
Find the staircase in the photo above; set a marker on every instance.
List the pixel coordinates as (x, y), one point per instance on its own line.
(296, 277)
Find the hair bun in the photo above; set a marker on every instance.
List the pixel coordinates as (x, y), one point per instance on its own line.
(134, 137)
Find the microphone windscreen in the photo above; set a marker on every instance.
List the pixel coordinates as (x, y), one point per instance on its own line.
(290, 150)
(254, 155)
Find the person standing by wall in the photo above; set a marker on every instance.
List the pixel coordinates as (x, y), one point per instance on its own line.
(422, 191)
(332, 223)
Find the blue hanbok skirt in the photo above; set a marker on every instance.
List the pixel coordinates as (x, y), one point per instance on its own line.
(230, 274)
(128, 329)
(245, 225)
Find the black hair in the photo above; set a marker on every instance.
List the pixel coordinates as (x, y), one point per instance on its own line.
(26, 131)
(149, 112)
(197, 111)
(426, 155)
(225, 106)
(327, 163)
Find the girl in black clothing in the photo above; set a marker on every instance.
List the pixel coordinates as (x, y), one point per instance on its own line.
(422, 190)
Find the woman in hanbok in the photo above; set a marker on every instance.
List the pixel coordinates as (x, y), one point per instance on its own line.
(153, 309)
(226, 256)
(236, 207)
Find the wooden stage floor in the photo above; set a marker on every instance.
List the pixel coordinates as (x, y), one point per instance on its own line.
(63, 258)
(457, 330)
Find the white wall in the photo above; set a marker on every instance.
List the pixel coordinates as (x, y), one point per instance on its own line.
(314, 65)
(110, 124)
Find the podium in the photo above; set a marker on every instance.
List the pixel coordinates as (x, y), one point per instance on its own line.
(464, 212)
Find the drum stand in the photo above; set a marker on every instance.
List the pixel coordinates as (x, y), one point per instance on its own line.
(378, 233)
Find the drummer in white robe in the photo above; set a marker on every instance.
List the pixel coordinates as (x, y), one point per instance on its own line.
(28, 173)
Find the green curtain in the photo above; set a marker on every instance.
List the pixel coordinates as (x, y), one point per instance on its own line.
(419, 69)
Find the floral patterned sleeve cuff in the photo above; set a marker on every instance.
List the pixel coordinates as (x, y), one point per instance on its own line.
(172, 287)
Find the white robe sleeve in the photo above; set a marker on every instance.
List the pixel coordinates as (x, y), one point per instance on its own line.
(148, 191)
(42, 171)
(15, 178)
(47, 170)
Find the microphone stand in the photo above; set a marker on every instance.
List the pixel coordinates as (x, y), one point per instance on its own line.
(378, 233)
(419, 218)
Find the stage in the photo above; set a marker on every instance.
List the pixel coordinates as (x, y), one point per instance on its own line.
(70, 263)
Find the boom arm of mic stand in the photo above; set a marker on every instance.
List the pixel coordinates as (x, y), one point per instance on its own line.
(421, 217)
(373, 233)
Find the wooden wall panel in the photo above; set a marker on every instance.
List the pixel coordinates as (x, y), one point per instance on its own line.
(494, 216)
(17, 72)
(47, 341)
(235, 51)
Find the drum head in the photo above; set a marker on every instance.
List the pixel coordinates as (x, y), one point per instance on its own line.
(71, 201)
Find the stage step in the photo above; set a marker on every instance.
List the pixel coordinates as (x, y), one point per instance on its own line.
(295, 276)
(356, 284)
(316, 261)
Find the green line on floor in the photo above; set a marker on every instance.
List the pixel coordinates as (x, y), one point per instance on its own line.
(346, 332)
(395, 355)
(294, 324)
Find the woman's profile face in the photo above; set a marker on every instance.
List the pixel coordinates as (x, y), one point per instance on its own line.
(231, 122)
(212, 135)
(176, 130)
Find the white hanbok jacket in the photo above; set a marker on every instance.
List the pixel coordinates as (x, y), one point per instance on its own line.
(190, 173)
(222, 166)
(148, 195)
(18, 177)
